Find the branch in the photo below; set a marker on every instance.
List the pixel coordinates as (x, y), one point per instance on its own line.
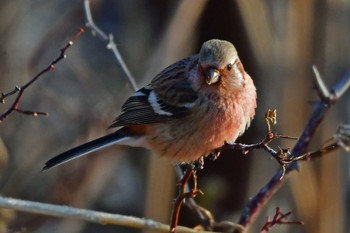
(187, 195)
(109, 41)
(282, 155)
(20, 90)
(341, 139)
(183, 194)
(89, 215)
(278, 219)
(319, 111)
(270, 117)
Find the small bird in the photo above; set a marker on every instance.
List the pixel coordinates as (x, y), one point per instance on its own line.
(188, 110)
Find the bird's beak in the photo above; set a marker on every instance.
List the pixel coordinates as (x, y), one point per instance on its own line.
(212, 76)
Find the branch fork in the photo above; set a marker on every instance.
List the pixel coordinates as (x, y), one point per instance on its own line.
(19, 90)
(278, 219)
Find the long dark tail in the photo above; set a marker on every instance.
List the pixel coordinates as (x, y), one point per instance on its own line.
(85, 149)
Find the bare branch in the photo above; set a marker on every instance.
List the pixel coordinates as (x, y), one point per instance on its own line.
(32, 113)
(341, 87)
(342, 137)
(319, 111)
(109, 41)
(89, 215)
(20, 90)
(278, 219)
(5, 95)
(320, 85)
(182, 195)
(270, 118)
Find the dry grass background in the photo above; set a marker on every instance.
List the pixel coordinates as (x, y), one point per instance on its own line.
(277, 42)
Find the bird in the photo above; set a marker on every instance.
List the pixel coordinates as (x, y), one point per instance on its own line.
(188, 110)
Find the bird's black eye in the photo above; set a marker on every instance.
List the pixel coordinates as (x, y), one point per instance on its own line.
(229, 67)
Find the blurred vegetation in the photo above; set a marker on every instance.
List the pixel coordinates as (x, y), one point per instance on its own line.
(277, 42)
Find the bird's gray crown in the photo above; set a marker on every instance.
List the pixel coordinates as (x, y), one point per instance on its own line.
(217, 53)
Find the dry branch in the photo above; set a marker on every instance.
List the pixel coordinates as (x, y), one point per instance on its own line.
(19, 90)
(109, 41)
(320, 109)
(278, 219)
(89, 215)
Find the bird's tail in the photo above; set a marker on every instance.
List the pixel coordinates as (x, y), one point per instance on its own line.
(85, 149)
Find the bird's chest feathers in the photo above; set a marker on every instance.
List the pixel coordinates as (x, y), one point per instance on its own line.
(225, 120)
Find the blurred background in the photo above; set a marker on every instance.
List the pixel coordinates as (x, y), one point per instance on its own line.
(277, 40)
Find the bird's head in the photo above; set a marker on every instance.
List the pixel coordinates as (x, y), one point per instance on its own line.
(218, 60)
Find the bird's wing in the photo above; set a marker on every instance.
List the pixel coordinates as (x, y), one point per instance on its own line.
(169, 95)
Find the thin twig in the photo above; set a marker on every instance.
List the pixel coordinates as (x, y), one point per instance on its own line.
(342, 137)
(28, 112)
(89, 215)
(279, 219)
(5, 95)
(109, 41)
(20, 90)
(322, 89)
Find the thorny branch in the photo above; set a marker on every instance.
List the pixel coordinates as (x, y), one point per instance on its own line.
(278, 219)
(20, 90)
